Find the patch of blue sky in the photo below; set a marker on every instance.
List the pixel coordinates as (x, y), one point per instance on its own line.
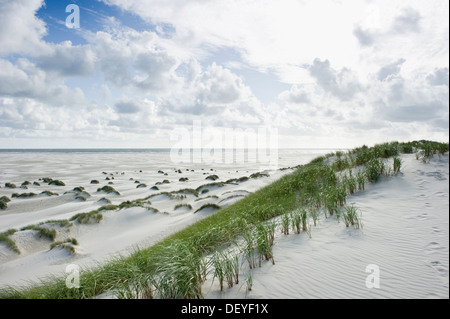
(94, 16)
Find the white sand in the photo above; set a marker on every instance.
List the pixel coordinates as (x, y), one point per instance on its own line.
(120, 232)
(405, 233)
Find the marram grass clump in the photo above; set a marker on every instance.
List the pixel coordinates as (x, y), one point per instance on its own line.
(42, 231)
(5, 238)
(67, 244)
(108, 190)
(4, 200)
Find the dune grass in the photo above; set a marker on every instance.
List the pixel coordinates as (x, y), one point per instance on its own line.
(42, 231)
(67, 244)
(87, 218)
(4, 237)
(4, 200)
(351, 217)
(57, 183)
(210, 196)
(58, 222)
(209, 185)
(212, 177)
(108, 190)
(397, 165)
(258, 175)
(178, 206)
(48, 193)
(186, 191)
(231, 196)
(174, 267)
(23, 195)
(207, 205)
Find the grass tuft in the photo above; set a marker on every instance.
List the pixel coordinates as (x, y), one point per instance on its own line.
(57, 183)
(108, 190)
(178, 206)
(43, 231)
(208, 205)
(4, 237)
(23, 195)
(48, 193)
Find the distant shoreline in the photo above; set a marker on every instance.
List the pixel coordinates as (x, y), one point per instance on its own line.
(138, 150)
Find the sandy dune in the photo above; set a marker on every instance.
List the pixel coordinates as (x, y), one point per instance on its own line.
(405, 233)
(120, 231)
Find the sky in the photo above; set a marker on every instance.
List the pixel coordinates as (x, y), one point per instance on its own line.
(148, 73)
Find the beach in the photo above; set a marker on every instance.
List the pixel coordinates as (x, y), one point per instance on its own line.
(120, 232)
(399, 249)
(405, 233)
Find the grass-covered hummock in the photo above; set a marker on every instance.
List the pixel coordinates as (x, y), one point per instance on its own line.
(212, 177)
(258, 175)
(10, 185)
(174, 267)
(94, 181)
(210, 196)
(93, 217)
(23, 195)
(57, 183)
(237, 180)
(183, 205)
(48, 193)
(104, 200)
(42, 231)
(208, 205)
(209, 186)
(108, 190)
(5, 238)
(4, 200)
(67, 244)
(231, 197)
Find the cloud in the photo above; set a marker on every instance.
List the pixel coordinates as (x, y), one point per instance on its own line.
(67, 60)
(214, 90)
(413, 113)
(127, 107)
(407, 21)
(21, 31)
(296, 95)
(135, 105)
(219, 86)
(390, 70)
(365, 37)
(128, 58)
(140, 115)
(157, 68)
(342, 84)
(24, 79)
(439, 77)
